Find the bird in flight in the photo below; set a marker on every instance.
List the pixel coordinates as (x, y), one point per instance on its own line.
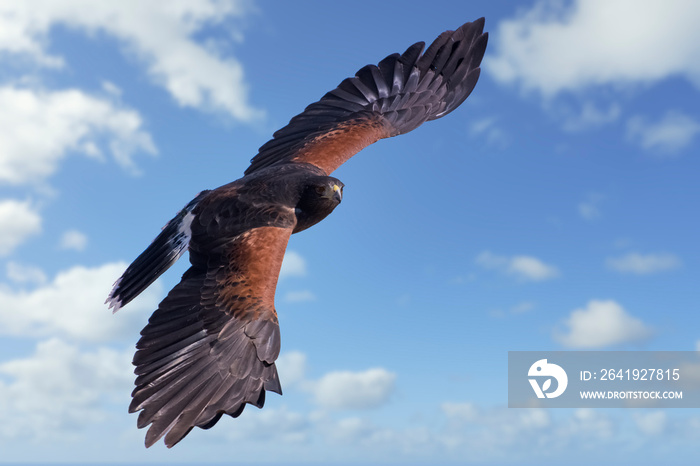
(210, 347)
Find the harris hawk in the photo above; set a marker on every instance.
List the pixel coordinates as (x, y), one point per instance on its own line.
(210, 347)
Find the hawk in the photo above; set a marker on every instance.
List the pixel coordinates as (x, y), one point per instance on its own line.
(210, 347)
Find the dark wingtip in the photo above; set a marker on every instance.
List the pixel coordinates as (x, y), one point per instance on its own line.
(152, 437)
(477, 26)
(172, 439)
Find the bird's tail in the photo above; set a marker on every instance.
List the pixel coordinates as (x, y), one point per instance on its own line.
(163, 252)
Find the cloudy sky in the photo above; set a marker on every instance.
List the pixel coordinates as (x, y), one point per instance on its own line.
(555, 210)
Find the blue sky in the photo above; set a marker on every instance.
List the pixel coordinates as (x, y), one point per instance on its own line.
(554, 210)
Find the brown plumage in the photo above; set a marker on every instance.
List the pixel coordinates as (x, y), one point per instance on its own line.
(211, 345)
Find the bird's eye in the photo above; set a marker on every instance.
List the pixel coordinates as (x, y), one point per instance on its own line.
(320, 189)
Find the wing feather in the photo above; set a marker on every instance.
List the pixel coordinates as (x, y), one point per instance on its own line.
(393, 97)
(211, 346)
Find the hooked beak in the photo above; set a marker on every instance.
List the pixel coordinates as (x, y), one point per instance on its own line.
(337, 193)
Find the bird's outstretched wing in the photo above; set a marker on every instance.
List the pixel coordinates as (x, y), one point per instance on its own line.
(210, 347)
(391, 98)
(161, 254)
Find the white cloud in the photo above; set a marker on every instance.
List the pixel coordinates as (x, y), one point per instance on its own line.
(293, 265)
(489, 431)
(494, 435)
(160, 34)
(73, 239)
(21, 273)
(111, 88)
(362, 433)
(672, 133)
(18, 221)
(531, 268)
(354, 390)
(338, 389)
(301, 296)
(465, 412)
(333, 391)
(271, 425)
(522, 307)
(490, 130)
(556, 46)
(71, 306)
(459, 430)
(591, 116)
(643, 264)
(351, 430)
(589, 209)
(291, 367)
(282, 426)
(491, 261)
(601, 324)
(60, 389)
(501, 435)
(651, 423)
(525, 268)
(68, 121)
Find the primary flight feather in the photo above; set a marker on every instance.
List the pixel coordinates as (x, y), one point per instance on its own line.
(211, 345)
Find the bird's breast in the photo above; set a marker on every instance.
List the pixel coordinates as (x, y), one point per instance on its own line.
(307, 218)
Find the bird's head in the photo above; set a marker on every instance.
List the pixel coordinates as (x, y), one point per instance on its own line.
(330, 190)
(321, 194)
